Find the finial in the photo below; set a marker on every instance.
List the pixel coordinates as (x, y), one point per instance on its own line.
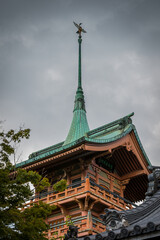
(79, 126)
(80, 29)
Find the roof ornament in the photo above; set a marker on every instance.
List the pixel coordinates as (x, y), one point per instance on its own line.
(80, 29)
(113, 219)
(154, 181)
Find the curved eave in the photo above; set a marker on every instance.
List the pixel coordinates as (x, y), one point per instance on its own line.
(81, 140)
(49, 154)
(117, 137)
(141, 146)
(70, 145)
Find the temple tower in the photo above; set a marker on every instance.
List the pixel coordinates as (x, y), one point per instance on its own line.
(105, 168)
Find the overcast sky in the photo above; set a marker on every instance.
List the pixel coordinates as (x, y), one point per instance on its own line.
(120, 62)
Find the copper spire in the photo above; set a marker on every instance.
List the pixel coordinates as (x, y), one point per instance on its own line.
(79, 125)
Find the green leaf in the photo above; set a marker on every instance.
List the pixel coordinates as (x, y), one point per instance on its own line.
(60, 186)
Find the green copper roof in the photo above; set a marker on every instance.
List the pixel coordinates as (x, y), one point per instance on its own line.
(105, 134)
(79, 125)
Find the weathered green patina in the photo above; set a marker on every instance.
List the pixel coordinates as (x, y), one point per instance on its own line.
(105, 134)
(79, 125)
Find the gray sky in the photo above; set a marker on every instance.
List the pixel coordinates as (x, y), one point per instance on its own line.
(120, 62)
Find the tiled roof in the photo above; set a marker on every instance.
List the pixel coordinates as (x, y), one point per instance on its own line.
(104, 134)
(142, 222)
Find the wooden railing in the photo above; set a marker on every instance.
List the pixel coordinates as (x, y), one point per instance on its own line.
(111, 195)
(85, 186)
(60, 229)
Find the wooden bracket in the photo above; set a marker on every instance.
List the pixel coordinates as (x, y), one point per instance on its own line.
(80, 203)
(91, 205)
(64, 211)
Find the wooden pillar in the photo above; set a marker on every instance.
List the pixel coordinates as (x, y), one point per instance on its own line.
(84, 213)
(87, 186)
(111, 184)
(89, 220)
(68, 173)
(84, 167)
(97, 170)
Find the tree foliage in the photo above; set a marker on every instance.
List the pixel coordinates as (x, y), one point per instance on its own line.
(17, 222)
(60, 186)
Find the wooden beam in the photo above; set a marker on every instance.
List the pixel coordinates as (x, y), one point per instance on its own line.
(133, 174)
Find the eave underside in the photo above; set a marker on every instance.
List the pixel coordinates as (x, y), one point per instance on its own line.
(129, 166)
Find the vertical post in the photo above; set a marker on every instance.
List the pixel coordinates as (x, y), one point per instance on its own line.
(89, 220)
(97, 177)
(87, 184)
(79, 64)
(111, 184)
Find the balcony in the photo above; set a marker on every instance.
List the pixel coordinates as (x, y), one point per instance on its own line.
(81, 188)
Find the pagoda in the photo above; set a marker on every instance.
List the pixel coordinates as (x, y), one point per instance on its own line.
(106, 167)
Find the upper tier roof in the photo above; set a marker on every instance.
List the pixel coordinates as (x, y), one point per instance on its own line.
(105, 134)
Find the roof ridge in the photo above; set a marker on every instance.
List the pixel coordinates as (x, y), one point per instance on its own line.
(121, 121)
(46, 149)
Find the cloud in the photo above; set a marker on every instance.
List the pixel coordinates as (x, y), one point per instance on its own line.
(156, 130)
(120, 64)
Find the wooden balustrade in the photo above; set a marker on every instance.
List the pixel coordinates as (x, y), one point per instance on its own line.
(86, 186)
(61, 229)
